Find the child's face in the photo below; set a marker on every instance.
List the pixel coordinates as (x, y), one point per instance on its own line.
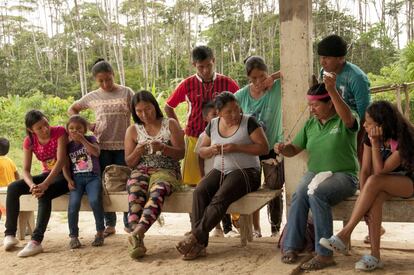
(212, 113)
(76, 127)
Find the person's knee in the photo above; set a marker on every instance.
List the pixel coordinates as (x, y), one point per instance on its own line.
(14, 189)
(199, 192)
(300, 195)
(44, 200)
(95, 203)
(372, 182)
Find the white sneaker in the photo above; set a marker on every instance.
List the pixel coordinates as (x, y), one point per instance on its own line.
(9, 242)
(217, 233)
(30, 249)
(232, 234)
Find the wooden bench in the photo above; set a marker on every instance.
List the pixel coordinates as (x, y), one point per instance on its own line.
(178, 202)
(394, 210)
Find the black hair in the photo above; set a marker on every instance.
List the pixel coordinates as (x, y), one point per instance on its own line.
(254, 62)
(101, 66)
(4, 146)
(206, 107)
(395, 126)
(223, 98)
(78, 119)
(319, 89)
(332, 45)
(144, 96)
(201, 53)
(31, 118)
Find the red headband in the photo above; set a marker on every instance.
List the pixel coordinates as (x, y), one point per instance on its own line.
(318, 97)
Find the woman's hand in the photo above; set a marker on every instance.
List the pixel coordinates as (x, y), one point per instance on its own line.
(157, 146)
(230, 148)
(375, 135)
(140, 148)
(278, 148)
(215, 149)
(40, 189)
(71, 185)
(267, 83)
(31, 186)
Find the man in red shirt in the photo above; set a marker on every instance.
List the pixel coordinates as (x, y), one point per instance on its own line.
(197, 89)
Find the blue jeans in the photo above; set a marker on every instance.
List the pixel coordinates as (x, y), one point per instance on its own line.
(108, 157)
(91, 184)
(330, 192)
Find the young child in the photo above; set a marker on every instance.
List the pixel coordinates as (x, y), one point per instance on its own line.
(8, 170)
(83, 154)
(206, 165)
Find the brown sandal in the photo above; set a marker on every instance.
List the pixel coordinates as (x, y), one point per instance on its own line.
(315, 264)
(289, 257)
(109, 230)
(198, 250)
(185, 245)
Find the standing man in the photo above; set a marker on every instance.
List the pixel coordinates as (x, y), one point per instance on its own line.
(197, 89)
(351, 82)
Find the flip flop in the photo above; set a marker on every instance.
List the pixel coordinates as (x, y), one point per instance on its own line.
(315, 264)
(334, 243)
(368, 263)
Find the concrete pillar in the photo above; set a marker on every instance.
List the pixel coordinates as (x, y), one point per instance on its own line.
(296, 67)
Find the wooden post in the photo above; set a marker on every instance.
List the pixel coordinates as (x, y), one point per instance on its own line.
(296, 65)
(407, 102)
(399, 106)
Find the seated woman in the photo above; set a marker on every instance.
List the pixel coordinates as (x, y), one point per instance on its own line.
(153, 147)
(48, 144)
(329, 137)
(235, 141)
(387, 171)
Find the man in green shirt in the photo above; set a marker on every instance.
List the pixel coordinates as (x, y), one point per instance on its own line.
(329, 137)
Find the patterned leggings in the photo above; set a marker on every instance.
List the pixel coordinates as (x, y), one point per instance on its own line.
(145, 205)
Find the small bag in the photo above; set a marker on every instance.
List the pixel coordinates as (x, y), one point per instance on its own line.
(274, 174)
(309, 238)
(115, 178)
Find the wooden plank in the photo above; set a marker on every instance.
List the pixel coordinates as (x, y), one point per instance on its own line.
(394, 210)
(178, 202)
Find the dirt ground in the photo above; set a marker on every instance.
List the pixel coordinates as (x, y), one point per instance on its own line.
(225, 256)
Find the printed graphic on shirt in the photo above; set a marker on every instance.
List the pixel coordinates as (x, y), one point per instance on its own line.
(50, 163)
(335, 130)
(81, 161)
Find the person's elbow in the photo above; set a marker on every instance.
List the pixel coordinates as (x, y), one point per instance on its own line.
(180, 153)
(264, 149)
(71, 111)
(130, 163)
